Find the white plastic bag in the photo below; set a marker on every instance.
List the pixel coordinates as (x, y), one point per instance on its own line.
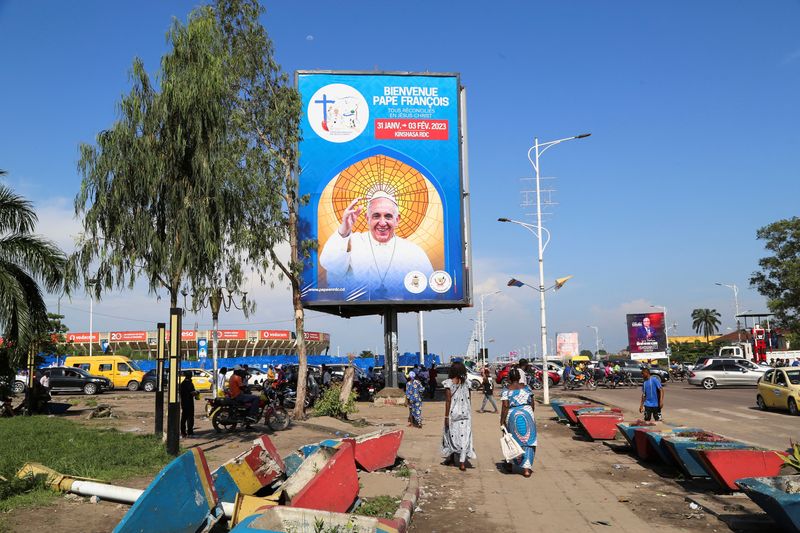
(509, 446)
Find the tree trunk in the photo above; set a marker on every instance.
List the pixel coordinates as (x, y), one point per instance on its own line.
(347, 385)
(295, 266)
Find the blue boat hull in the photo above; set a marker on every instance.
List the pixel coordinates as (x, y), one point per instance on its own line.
(771, 495)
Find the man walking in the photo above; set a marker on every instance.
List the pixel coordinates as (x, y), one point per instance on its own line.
(652, 396)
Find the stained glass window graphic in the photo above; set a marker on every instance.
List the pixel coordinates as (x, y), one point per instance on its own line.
(420, 206)
(383, 173)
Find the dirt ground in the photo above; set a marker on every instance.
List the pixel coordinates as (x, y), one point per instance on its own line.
(577, 485)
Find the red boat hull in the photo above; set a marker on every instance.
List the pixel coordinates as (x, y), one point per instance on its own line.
(726, 466)
(600, 426)
(378, 450)
(643, 446)
(570, 409)
(335, 486)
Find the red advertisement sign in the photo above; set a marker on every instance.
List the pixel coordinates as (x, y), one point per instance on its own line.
(274, 335)
(186, 335)
(411, 129)
(128, 336)
(232, 334)
(313, 336)
(83, 337)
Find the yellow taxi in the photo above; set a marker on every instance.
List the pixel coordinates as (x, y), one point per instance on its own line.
(202, 379)
(780, 389)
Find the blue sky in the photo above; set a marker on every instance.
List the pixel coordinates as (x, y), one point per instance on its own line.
(692, 107)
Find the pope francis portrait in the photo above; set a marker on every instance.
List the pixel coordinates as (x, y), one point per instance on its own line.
(376, 260)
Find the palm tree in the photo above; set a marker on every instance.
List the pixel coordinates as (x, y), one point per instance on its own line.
(26, 262)
(705, 321)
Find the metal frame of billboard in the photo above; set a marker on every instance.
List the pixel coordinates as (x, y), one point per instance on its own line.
(348, 309)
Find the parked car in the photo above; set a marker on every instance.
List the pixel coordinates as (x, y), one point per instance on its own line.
(703, 362)
(779, 388)
(635, 369)
(71, 379)
(719, 374)
(20, 383)
(554, 376)
(202, 379)
(257, 376)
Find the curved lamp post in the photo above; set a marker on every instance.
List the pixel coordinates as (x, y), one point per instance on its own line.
(537, 150)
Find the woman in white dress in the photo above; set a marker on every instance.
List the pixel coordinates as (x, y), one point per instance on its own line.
(457, 437)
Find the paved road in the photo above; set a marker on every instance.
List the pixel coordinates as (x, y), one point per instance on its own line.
(730, 411)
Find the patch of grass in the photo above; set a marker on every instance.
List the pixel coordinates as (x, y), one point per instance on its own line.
(403, 471)
(379, 507)
(70, 448)
(91, 402)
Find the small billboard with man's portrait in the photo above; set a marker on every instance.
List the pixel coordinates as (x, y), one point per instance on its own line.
(647, 337)
(567, 345)
(381, 164)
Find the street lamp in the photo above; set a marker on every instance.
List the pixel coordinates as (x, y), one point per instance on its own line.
(735, 290)
(666, 332)
(596, 341)
(538, 150)
(91, 283)
(216, 299)
(483, 326)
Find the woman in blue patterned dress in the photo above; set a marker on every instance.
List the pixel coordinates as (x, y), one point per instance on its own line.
(414, 397)
(517, 417)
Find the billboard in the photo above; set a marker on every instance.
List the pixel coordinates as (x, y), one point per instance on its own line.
(567, 345)
(381, 160)
(647, 338)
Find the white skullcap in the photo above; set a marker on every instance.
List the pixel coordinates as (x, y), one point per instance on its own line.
(383, 194)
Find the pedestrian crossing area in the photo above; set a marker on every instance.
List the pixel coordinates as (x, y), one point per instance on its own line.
(721, 414)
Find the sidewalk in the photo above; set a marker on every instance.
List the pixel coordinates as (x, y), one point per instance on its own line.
(577, 485)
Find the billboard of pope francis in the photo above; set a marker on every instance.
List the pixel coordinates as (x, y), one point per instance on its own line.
(381, 161)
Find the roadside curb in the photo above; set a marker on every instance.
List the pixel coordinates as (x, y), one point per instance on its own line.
(329, 429)
(402, 517)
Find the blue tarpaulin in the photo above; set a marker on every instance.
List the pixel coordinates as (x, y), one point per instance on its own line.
(263, 361)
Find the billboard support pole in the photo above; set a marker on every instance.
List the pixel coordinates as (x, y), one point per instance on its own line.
(390, 346)
(421, 340)
(159, 402)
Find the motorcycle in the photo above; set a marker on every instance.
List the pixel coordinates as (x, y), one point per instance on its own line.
(227, 413)
(581, 380)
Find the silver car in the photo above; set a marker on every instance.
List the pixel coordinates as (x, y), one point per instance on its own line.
(724, 373)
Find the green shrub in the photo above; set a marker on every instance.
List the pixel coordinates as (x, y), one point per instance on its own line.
(329, 404)
(379, 507)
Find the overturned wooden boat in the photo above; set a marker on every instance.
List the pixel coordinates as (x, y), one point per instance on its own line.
(779, 497)
(327, 480)
(377, 450)
(180, 498)
(601, 425)
(249, 472)
(726, 466)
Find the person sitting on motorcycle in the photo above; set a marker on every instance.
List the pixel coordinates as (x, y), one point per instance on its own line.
(608, 373)
(238, 394)
(617, 373)
(569, 373)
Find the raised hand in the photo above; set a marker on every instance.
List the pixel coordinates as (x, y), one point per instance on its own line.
(349, 218)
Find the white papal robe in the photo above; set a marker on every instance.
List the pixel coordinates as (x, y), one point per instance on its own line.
(359, 261)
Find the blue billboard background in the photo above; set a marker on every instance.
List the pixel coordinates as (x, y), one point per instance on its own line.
(411, 121)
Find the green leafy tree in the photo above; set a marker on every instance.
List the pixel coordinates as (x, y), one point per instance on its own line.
(54, 340)
(587, 353)
(28, 264)
(705, 322)
(265, 117)
(366, 354)
(779, 278)
(161, 196)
